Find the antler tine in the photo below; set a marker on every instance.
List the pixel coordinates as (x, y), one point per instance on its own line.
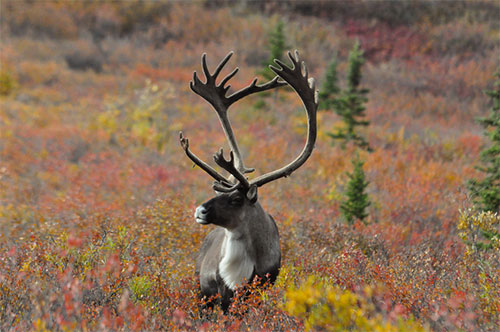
(229, 165)
(205, 67)
(223, 188)
(195, 81)
(222, 64)
(228, 77)
(305, 88)
(204, 166)
(304, 67)
(253, 88)
(295, 59)
(211, 78)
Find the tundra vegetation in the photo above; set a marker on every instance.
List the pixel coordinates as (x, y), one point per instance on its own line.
(97, 199)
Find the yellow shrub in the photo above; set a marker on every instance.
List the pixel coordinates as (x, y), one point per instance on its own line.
(329, 308)
(142, 120)
(480, 230)
(7, 83)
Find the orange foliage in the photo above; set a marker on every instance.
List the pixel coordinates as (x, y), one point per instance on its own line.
(97, 197)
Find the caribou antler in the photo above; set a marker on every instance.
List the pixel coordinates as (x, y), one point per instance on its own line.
(305, 88)
(216, 96)
(229, 166)
(204, 166)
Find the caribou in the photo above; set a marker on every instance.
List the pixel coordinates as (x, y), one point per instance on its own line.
(245, 242)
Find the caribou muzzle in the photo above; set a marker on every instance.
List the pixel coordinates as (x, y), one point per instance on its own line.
(201, 215)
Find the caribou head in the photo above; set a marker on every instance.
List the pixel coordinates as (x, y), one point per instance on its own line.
(245, 242)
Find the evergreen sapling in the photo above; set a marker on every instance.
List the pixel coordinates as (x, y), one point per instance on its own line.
(486, 192)
(349, 105)
(330, 88)
(277, 46)
(357, 200)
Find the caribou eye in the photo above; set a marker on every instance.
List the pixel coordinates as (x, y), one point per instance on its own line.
(236, 201)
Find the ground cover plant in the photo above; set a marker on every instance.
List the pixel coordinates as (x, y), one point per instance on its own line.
(97, 198)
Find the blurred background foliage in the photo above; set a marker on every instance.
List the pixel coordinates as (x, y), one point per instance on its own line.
(97, 197)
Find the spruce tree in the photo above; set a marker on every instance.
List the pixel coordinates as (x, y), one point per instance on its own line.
(357, 199)
(330, 88)
(277, 46)
(350, 103)
(486, 192)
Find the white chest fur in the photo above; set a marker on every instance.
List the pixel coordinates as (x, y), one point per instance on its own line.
(236, 266)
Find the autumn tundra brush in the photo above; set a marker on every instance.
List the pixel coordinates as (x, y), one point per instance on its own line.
(245, 244)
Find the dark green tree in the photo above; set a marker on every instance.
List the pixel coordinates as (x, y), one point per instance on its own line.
(356, 198)
(277, 46)
(330, 88)
(349, 105)
(486, 192)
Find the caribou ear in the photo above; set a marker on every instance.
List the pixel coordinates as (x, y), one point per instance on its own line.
(252, 194)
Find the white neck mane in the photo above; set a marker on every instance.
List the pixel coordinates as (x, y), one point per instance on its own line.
(236, 266)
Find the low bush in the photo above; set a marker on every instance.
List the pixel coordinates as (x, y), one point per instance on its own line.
(84, 61)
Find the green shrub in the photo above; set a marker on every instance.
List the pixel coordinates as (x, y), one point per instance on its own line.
(7, 83)
(140, 287)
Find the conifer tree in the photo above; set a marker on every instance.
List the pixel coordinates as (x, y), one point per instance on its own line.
(277, 46)
(330, 88)
(486, 192)
(350, 103)
(357, 199)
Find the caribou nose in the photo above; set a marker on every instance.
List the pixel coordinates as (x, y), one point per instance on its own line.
(201, 215)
